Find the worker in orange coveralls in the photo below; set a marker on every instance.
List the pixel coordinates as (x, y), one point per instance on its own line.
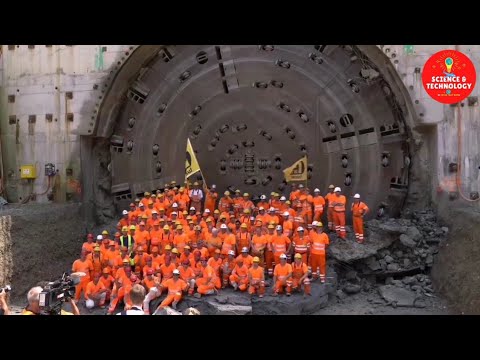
(256, 278)
(300, 275)
(282, 275)
(175, 287)
(318, 250)
(359, 209)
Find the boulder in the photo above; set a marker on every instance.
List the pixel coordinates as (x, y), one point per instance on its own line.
(407, 263)
(413, 233)
(167, 311)
(373, 264)
(407, 241)
(445, 229)
(351, 275)
(393, 267)
(388, 259)
(352, 289)
(228, 309)
(398, 296)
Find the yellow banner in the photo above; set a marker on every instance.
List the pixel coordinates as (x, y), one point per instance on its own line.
(191, 163)
(297, 172)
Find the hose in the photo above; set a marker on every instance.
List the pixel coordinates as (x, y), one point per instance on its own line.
(32, 194)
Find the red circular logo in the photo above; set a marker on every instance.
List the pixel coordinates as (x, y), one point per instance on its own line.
(449, 76)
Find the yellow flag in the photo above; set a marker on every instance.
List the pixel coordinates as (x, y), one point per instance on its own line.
(297, 172)
(191, 163)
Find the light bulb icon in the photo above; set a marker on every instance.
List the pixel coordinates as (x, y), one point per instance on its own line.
(449, 64)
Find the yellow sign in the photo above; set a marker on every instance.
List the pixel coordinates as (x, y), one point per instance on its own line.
(297, 172)
(191, 163)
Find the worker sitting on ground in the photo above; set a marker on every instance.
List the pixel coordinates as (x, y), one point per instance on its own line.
(96, 293)
(206, 283)
(256, 278)
(175, 287)
(239, 277)
(300, 275)
(282, 275)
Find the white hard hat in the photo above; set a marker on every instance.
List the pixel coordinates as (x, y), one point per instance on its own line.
(271, 209)
(99, 237)
(316, 190)
(176, 271)
(223, 226)
(192, 208)
(300, 228)
(174, 213)
(141, 204)
(244, 250)
(154, 212)
(261, 208)
(356, 196)
(286, 213)
(231, 252)
(314, 223)
(207, 211)
(283, 256)
(263, 197)
(125, 212)
(214, 186)
(252, 217)
(279, 227)
(175, 205)
(283, 198)
(89, 304)
(337, 189)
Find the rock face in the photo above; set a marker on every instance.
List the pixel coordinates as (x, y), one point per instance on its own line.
(227, 309)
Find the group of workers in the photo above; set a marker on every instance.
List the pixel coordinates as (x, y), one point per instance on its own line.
(177, 242)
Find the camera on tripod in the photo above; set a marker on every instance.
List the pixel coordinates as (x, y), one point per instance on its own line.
(55, 293)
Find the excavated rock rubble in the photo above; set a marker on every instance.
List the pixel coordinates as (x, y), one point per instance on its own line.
(393, 265)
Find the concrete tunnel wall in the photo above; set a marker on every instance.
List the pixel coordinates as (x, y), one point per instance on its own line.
(51, 97)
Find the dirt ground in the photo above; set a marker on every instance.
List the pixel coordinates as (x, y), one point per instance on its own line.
(457, 273)
(45, 240)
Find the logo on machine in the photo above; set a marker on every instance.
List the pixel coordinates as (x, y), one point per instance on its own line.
(449, 76)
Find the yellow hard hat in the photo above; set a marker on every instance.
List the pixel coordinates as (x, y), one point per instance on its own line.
(331, 186)
(179, 227)
(104, 232)
(185, 212)
(246, 194)
(168, 247)
(237, 191)
(256, 259)
(146, 193)
(319, 224)
(174, 251)
(216, 211)
(246, 211)
(271, 226)
(97, 248)
(133, 227)
(195, 183)
(166, 227)
(298, 256)
(244, 226)
(226, 193)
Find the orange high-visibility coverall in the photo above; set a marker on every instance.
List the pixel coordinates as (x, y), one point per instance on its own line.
(229, 264)
(224, 204)
(243, 239)
(167, 271)
(282, 273)
(257, 280)
(269, 259)
(180, 241)
(206, 284)
(317, 255)
(213, 243)
(86, 267)
(297, 273)
(330, 198)
(288, 228)
(216, 265)
(210, 200)
(239, 277)
(279, 246)
(156, 237)
(237, 206)
(188, 275)
(107, 281)
(228, 244)
(358, 210)
(318, 204)
(247, 260)
(175, 289)
(339, 215)
(301, 246)
(92, 292)
(166, 239)
(259, 243)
